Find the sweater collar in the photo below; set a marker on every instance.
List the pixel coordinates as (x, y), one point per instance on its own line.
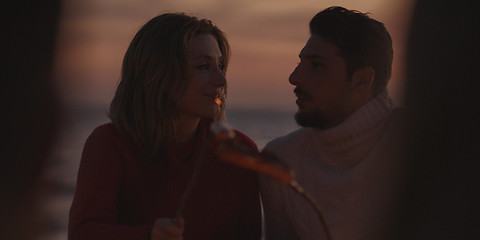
(348, 142)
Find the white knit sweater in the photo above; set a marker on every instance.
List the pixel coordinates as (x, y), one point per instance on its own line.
(347, 168)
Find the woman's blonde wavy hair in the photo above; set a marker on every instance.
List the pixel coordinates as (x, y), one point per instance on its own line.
(154, 78)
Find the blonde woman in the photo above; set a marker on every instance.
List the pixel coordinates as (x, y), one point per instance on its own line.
(135, 171)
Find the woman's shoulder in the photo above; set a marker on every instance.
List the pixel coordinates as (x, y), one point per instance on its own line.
(107, 138)
(240, 136)
(108, 133)
(244, 139)
(107, 130)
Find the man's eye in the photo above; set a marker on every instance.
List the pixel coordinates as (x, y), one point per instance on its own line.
(221, 66)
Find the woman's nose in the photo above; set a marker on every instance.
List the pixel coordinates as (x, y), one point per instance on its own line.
(220, 80)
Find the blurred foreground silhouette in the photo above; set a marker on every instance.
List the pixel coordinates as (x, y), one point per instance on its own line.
(441, 198)
(30, 112)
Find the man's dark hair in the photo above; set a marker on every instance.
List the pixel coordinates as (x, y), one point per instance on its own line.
(363, 41)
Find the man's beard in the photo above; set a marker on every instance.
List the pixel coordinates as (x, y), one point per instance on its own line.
(314, 119)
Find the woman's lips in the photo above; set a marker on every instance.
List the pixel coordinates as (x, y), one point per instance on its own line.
(213, 97)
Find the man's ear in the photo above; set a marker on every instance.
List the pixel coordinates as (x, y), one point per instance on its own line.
(363, 77)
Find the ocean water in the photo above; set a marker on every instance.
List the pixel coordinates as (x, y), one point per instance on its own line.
(61, 172)
(262, 125)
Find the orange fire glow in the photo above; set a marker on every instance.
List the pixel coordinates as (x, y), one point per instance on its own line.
(218, 101)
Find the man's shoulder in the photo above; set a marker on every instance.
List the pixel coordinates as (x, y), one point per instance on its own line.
(295, 137)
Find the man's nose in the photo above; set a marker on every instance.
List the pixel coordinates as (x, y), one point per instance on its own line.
(294, 78)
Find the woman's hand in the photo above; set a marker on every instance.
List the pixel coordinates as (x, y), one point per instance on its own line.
(167, 229)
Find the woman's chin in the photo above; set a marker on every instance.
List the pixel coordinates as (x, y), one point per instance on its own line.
(211, 114)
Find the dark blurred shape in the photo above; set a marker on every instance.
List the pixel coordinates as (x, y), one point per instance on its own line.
(232, 151)
(441, 199)
(29, 111)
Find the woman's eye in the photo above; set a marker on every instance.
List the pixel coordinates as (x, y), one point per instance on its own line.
(204, 66)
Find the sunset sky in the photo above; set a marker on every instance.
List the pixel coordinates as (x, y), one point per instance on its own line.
(265, 36)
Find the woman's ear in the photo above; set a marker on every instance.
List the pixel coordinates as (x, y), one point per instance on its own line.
(363, 77)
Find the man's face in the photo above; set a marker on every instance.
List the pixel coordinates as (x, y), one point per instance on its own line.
(323, 89)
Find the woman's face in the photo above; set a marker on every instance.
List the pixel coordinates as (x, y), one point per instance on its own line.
(206, 79)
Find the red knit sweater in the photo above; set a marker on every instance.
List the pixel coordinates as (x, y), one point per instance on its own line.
(119, 197)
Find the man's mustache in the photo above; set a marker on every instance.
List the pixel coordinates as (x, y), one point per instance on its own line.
(300, 92)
